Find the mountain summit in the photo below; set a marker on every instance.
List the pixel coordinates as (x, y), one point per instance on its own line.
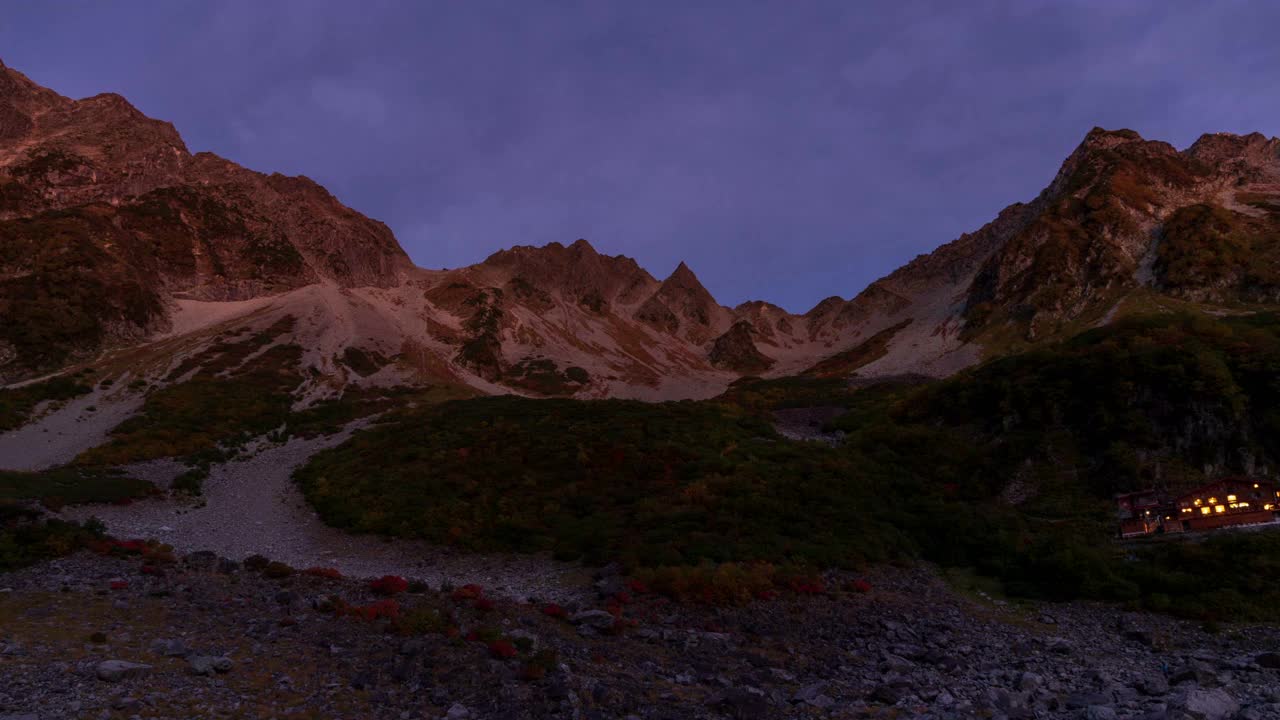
(115, 239)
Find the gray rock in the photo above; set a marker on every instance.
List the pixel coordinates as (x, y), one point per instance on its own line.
(1142, 637)
(1196, 672)
(530, 638)
(1029, 682)
(1152, 685)
(209, 664)
(458, 712)
(1269, 660)
(894, 663)
(1100, 712)
(812, 695)
(170, 648)
(598, 619)
(1213, 704)
(202, 561)
(20, 716)
(740, 703)
(117, 670)
(887, 694)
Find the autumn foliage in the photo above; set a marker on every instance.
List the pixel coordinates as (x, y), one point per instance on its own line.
(389, 585)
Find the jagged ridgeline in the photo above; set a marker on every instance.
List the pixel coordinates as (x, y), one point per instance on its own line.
(112, 234)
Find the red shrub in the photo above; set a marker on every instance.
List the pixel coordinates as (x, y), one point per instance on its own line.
(502, 649)
(388, 609)
(555, 611)
(152, 570)
(622, 598)
(323, 572)
(483, 604)
(119, 585)
(389, 585)
(766, 595)
(637, 587)
(129, 547)
(860, 586)
(807, 586)
(468, 592)
(383, 609)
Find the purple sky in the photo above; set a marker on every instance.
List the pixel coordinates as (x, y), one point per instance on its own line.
(787, 150)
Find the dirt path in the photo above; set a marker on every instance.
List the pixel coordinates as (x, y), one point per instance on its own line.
(251, 506)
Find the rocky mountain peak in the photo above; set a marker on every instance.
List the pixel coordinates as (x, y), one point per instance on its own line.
(683, 277)
(1253, 152)
(577, 272)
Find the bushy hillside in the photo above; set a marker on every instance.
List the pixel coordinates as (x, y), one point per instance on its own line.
(1007, 469)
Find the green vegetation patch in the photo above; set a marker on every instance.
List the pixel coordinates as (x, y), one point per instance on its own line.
(1006, 470)
(18, 403)
(649, 484)
(543, 376)
(24, 542)
(197, 416)
(72, 486)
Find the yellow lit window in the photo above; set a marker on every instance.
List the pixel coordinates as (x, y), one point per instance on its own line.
(1268, 506)
(1244, 504)
(1205, 511)
(1213, 501)
(1231, 498)
(1219, 509)
(1186, 510)
(1255, 486)
(1199, 502)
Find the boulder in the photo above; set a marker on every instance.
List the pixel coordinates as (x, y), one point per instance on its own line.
(117, 670)
(209, 664)
(598, 619)
(1208, 704)
(170, 648)
(1152, 684)
(1269, 660)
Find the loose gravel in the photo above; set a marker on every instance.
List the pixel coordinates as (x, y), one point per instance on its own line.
(251, 506)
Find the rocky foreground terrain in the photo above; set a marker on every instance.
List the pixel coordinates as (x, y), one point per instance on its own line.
(115, 635)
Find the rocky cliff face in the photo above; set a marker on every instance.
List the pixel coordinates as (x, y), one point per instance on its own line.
(105, 218)
(111, 231)
(1125, 214)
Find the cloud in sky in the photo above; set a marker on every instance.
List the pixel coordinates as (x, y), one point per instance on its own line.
(787, 150)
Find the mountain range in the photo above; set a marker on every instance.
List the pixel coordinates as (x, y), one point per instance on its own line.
(119, 245)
